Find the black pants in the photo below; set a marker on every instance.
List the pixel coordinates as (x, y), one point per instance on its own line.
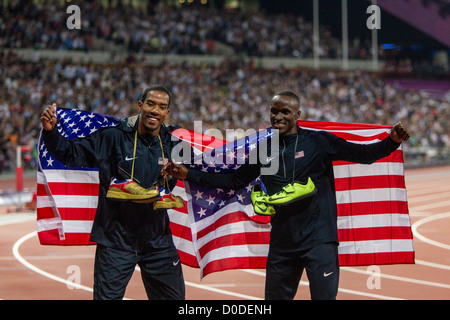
(283, 273)
(161, 274)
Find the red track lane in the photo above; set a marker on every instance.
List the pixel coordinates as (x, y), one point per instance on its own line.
(429, 278)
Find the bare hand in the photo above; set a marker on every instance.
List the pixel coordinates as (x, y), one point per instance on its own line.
(178, 171)
(399, 133)
(48, 118)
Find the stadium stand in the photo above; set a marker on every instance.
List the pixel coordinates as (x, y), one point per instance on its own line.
(168, 30)
(219, 94)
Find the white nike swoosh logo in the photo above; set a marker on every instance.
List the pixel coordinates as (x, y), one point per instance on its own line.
(175, 263)
(128, 158)
(327, 274)
(270, 159)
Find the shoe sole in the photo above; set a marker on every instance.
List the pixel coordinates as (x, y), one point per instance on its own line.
(260, 199)
(265, 214)
(122, 196)
(313, 192)
(145, 201)
(262, 213)
(162, 206)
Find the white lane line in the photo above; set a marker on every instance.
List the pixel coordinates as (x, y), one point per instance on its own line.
(414, 199)
(217, 290)
(49, 257)
(16, 218)
(15, 251)
(420, 222)
(438, 204)
(359, 293)
(32, 267)
(404, 279)
(229, 293)
(419, 191)
(414, 227)
(433, 265)
(69, 284)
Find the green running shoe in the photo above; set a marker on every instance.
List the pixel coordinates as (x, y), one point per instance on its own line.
(258, 198)
(292, 192)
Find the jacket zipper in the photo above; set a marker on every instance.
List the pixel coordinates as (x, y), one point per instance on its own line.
(282, 156)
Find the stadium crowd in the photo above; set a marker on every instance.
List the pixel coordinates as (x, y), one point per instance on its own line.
(233, 95)
(168, 30)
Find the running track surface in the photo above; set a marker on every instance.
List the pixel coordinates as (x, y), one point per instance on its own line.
(30, 271)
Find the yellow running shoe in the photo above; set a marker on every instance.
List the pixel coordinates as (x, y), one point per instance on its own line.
(168, 201)
(292, 192)
(129, 190)
(258, 198)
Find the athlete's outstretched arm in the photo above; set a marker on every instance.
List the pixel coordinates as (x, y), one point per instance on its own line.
(230, 180)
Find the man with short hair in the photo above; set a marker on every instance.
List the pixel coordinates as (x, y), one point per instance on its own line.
(129, 158)
(304, 232)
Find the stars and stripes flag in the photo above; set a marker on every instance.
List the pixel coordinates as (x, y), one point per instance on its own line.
(218, 229)
(226, 232)
(67, 197)
(373, 221)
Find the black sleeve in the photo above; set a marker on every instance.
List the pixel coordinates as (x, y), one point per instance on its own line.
(232, 180)
(339, 149)
(85, 152)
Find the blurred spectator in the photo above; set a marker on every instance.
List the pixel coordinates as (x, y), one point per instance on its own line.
(168, 30)
(234, 95)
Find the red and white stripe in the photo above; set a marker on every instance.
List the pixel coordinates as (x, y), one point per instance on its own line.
(66, 205)
(373, 221)
(180, 227)
(231, 239)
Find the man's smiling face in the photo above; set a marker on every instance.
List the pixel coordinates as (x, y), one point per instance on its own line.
(154, 110)
(284, 113)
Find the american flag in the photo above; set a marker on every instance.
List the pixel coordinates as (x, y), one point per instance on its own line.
(218, 229)
(67, 197)
(373, 221)
(226, 232)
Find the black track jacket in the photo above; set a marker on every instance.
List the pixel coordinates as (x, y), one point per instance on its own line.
(313, 221)
(121, 225)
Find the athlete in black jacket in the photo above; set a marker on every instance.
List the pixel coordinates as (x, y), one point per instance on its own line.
(304, 233)
(127, 233)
